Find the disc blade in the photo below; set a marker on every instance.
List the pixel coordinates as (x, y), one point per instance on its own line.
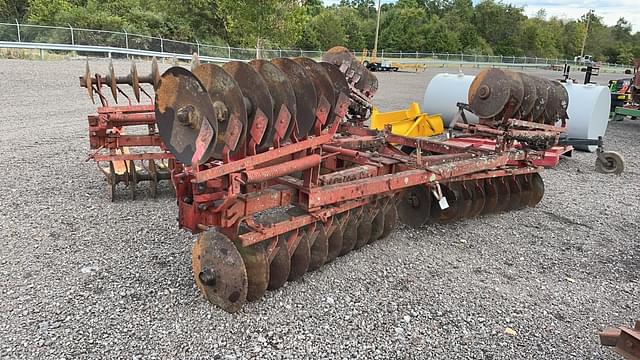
(530, 96)
(477, 200)
(515, 198)
(256, 264)
(390, 220)
(185, 114)
(377, 226)
(453, 194)
(490, 197)
(542, 96)
(350, 234)
(516, 92)
(526, 190)
(305, 93)
(364, 228)
(300, 258)
(226, 96)
(489, 93)
(335, 242)
(537, 189)
(280, 265)
(414, 207)
(466, 201)
(219, 271)
(319, 248)
(502, 192)
(321, 83)
(256, 91)
(282, 94)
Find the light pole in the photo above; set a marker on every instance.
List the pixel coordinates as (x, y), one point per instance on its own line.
(374, 53)
(586, 33)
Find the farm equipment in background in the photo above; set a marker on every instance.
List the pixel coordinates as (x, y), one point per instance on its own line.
(132, 156)
(627, 94)
(371, 61)
(624, 340)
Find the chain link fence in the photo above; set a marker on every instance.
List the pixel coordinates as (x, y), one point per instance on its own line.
(16, 34)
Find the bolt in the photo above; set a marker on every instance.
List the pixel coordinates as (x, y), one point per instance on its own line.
(188, 116)
(207, 276)
(484, 92)
(221, 111)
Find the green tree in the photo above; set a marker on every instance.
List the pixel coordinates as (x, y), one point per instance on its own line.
(250, 23)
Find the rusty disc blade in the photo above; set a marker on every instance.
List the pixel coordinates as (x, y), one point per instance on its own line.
(368, 82)
(502, 191)
(453, 193)
(226, 96)
(515, 192)
(155, 73)
(414, 207)
(256, 264)
(135, 81)
(516, 93)
(377, 226)
(219, 271)
(255, 89)
(305, 93)
(113, 82)
(490, 197)
(542, 97)
(530, 96)
(364, 228)
(321, 83)
(390, 220)
(300, 258)
(335, 241)
(526, 190)
(466, 200)
(185, 116)
(339, 56)
(350, 234)
(319, 248)
(489, 93)
(282, 94)
(339, 82)
(280, 265)
(477, 200)
(537, 189)
(562, 101)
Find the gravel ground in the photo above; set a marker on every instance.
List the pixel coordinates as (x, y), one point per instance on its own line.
(81, 277)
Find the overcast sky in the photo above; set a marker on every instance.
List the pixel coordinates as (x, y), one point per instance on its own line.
(611, 11)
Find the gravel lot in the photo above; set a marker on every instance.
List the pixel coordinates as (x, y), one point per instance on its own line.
(81, 277)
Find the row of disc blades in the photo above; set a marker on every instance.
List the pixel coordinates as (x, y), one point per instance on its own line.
(418, 205)
(526, 97)
(229, 275)
(212, 109)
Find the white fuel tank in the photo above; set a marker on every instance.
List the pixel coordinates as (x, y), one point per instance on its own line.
(588, 112)
(444, 92)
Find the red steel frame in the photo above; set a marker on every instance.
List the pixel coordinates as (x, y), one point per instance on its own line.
(224, 195)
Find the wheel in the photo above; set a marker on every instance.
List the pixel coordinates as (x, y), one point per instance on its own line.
(610, 162)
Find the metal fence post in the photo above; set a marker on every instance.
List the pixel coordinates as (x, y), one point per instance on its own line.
(161, 45)
(18, 27)
(126, 38)
(228, 52)
(279, 52)
(198, 45)
(73, 42)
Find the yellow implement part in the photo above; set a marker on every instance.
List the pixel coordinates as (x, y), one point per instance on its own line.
(408, 122)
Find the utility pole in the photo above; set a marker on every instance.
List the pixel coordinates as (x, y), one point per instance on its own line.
(374, 53)
(586, 33)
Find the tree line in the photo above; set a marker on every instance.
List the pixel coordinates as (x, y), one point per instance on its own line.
(488, 28)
